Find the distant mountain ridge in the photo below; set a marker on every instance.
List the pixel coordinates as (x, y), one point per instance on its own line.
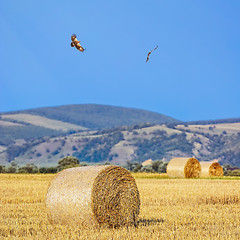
(59, 120)
(100, 133)
(216, 121)
(95, 116)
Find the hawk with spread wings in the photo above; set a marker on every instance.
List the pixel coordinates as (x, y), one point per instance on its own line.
(76, 43)
(151, 52)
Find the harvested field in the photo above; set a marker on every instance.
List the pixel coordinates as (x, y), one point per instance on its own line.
(170, 209)
(42, 121)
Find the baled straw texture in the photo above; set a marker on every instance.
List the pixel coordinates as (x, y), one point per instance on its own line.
(211, 169)
(93, 195)
(184, 168)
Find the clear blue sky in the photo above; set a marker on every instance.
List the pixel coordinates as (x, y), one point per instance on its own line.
(193, 75)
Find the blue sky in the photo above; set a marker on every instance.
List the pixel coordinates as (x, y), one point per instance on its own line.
(193, 75)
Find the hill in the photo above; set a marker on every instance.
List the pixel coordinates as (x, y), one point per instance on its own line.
(133, 143)
(94, 116)
(61, 120)
(100, 133)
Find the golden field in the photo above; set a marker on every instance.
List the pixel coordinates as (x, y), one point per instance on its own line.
(170, 209)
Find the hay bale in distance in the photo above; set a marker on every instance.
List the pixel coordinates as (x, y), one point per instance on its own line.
(93, 195)
(147, 162)
(211, 169)
(184, 168)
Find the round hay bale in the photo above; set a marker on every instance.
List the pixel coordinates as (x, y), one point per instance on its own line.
(184, 168)
(147, 162)
(93, 195)
(211, 169)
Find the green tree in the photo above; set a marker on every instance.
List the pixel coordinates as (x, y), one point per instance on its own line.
(48, 170)
(133, 166)
(155, 165)
(14, 164)
(29, 168)
(162, 168)
(51, 170)
(147, 168)
(235, 172)
(2, 169)
(42, 170)
(67, 162)
(11, 170)
(226, 168)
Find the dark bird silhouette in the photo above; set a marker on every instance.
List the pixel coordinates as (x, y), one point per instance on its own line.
(76, 43)
(151, 52)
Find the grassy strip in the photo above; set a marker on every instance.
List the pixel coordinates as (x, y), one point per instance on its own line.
(144, 175)
(150, 175)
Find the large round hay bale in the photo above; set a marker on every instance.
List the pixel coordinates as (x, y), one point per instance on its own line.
(93, 195)
(211, 169)
(184, 168)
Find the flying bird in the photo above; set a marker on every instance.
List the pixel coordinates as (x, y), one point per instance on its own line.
(151, 52)
(76, 43)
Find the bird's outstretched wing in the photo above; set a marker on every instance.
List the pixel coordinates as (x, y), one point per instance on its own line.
(151, 52)
(79, 47)
(76, 43)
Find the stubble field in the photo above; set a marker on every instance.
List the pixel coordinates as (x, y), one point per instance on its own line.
(170, 209)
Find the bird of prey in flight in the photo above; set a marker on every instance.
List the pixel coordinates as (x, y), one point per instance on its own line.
(76, 43)
(151, 52)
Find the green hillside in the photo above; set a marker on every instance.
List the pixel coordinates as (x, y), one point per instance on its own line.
(62, 120)
(93, 116)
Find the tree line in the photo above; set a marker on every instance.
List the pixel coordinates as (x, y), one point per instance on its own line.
(157, 166)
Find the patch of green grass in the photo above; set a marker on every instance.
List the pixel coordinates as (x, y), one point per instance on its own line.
(150, 175)
(145, 175)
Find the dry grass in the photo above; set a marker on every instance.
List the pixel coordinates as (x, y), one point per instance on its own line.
(230, 128)
(170, 209)
(42, 121)
(8, 124)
